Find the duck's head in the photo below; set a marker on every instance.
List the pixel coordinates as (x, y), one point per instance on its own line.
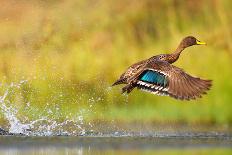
(190, 41)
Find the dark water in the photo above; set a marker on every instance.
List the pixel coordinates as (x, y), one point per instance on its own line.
(120, 143)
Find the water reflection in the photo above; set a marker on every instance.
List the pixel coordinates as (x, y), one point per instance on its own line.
(118, 145)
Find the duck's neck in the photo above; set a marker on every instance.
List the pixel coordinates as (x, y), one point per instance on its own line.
(175, 55)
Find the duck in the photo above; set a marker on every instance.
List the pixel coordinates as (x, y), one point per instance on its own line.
(158, 76)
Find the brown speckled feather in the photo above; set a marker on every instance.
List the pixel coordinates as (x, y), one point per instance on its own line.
(130, 73)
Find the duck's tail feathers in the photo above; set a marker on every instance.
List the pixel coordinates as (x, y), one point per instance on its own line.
(119, 81)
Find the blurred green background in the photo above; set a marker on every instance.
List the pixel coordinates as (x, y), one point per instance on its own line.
(62, 57)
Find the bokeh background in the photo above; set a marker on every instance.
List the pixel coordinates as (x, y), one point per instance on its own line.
(61, 57)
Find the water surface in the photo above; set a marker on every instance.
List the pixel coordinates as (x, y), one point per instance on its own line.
(118, 144)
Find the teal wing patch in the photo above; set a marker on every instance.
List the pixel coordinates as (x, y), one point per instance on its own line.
(154, 77)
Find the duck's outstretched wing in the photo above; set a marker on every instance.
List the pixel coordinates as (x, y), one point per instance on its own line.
(162, 78)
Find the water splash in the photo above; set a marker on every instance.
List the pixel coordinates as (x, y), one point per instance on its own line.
(51, 120)
(10, 114)
(43, 126)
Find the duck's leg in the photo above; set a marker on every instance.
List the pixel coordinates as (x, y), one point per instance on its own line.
(128, 88)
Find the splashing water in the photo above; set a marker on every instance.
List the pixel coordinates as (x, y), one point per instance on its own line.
(48, 120)
(9, 112)
(39, 127)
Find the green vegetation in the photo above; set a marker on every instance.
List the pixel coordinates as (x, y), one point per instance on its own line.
(70, 52)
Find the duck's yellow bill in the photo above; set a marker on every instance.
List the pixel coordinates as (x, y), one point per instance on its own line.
(200, 42)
